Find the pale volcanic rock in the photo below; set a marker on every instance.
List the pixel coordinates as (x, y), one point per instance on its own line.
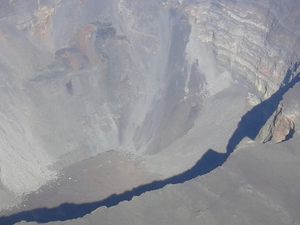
(42, 25)
(280, 128)
(283, 128)
(163, 80)
(248, 38)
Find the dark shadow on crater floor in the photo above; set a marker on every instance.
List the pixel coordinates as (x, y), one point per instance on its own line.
(249, 126)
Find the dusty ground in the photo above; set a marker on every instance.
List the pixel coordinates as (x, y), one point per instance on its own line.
(90, 180)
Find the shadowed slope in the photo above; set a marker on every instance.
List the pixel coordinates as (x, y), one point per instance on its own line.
(249, 126)
(252, 122)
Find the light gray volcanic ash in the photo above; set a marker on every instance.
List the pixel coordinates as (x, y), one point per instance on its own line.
(161, 81)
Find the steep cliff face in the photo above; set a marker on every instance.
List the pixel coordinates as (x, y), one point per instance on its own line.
(257, 40)
(278, 129)
(83, 77)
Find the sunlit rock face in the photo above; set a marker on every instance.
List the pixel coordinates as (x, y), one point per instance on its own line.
(82, 77)
(280, 128)
(257, 40)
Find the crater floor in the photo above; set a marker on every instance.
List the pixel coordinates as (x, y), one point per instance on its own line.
(149, 111)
